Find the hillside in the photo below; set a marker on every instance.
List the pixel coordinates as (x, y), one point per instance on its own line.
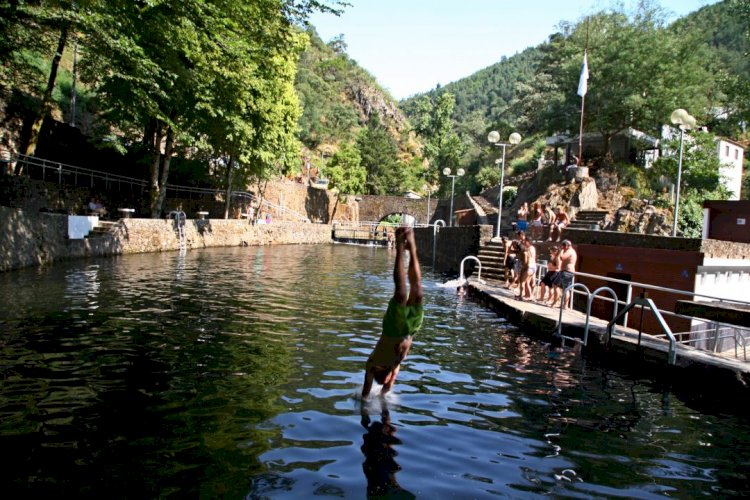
(490, 98)
(338, 99)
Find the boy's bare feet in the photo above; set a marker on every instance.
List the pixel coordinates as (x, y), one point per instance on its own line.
(409, 237)
(401, 236)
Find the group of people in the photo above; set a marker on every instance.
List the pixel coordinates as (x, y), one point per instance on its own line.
(539, 215)
(520, 268)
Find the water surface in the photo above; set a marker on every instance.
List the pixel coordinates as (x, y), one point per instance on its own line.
(234, 373)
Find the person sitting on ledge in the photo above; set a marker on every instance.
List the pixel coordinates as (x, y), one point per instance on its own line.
(97, 208)
(561, 222)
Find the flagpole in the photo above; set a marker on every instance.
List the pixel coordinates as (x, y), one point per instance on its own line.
(582, 89)
(580, 132)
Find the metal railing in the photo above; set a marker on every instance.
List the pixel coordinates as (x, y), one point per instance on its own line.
(715, 331)
(64, 173)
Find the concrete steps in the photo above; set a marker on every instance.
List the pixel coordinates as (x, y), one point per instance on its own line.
(103, 228)
(492, 256)
(587, 219)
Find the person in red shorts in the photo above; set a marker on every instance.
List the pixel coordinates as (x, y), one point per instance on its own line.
(402, 318)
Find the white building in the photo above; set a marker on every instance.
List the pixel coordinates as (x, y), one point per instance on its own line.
(731, 156)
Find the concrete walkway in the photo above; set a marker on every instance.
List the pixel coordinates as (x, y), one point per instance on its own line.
(695, 369)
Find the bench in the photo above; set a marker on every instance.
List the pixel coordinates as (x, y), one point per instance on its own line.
(202, 215)
(126, 212)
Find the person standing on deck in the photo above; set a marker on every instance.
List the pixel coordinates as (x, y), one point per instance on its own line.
(568, 258)
(528, 272)
(402, 319)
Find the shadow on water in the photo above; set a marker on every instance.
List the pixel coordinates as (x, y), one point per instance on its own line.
(378, 447)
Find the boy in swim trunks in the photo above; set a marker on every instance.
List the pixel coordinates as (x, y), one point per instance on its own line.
(402, 319)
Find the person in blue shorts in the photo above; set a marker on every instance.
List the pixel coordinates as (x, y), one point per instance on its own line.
(402, 318)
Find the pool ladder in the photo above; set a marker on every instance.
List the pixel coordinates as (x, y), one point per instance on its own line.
(642, 301)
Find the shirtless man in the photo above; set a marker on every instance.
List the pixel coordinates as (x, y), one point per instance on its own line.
(528, 272)
(568, 258)
(561, 222)
(547, 282)
(402, 319)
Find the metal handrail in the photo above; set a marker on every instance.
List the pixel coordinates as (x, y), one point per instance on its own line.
(479, 274)
(659, 288)
(739, 331)
(60, 168)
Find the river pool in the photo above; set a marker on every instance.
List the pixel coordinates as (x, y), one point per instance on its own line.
(234, 373)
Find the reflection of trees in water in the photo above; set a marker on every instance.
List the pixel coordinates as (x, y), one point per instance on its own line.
(380, 466)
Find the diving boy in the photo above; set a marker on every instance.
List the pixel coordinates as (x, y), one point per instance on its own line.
(402, 319)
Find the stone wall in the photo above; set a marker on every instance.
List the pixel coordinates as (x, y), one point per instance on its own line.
(374, 208)
(445, 249)
(33, 238)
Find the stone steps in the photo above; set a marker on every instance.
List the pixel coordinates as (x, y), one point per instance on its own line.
(103, 228)
(587, 219)
(492, 256)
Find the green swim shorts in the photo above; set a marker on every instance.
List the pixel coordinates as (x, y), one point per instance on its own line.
(402, 321)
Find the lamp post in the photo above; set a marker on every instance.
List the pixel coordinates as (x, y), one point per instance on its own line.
(494, 138)
(447, 173)
(684, 121)
(429, 194)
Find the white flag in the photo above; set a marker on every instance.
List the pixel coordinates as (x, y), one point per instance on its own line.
(583, 82)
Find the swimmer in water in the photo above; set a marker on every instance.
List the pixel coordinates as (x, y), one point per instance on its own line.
(402, 319)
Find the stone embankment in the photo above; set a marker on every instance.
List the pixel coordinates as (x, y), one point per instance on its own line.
(33, 239)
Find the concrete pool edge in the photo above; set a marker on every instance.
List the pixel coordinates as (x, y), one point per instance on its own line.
(30, 239)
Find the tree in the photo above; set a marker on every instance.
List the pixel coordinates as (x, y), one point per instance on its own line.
(379, 153)
(30, 32)
(433, 122)
(700, 179)
(639, 72)
(218, 75)
(346, 172)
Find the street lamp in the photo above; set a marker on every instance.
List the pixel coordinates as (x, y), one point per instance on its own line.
(447, 173)
(684, 121)
(494, 139)
(429, 194)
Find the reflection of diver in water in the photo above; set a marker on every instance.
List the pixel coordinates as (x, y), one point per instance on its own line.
(380, 466)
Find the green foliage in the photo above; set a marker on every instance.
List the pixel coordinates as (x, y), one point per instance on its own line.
(338, 97)
(488, 177)
(700, 166)
(640, 70)
(690, 218)
(622, 49)
(346, 172)
(483, 97)
(442, 146)
(745, 195)
(700, 179)
(510, 193)
(391, 220)
(635, 177)
(379, 152)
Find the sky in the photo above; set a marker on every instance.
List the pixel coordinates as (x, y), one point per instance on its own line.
(410, 46)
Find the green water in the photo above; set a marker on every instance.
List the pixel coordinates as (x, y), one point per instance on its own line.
(234, 373)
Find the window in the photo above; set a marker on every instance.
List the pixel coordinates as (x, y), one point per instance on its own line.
(726, 151)
(737, 154)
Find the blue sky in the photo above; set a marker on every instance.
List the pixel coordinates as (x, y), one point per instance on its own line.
(412, 45)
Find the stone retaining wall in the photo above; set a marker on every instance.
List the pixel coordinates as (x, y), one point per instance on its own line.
(32, 238)
(451, 245)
